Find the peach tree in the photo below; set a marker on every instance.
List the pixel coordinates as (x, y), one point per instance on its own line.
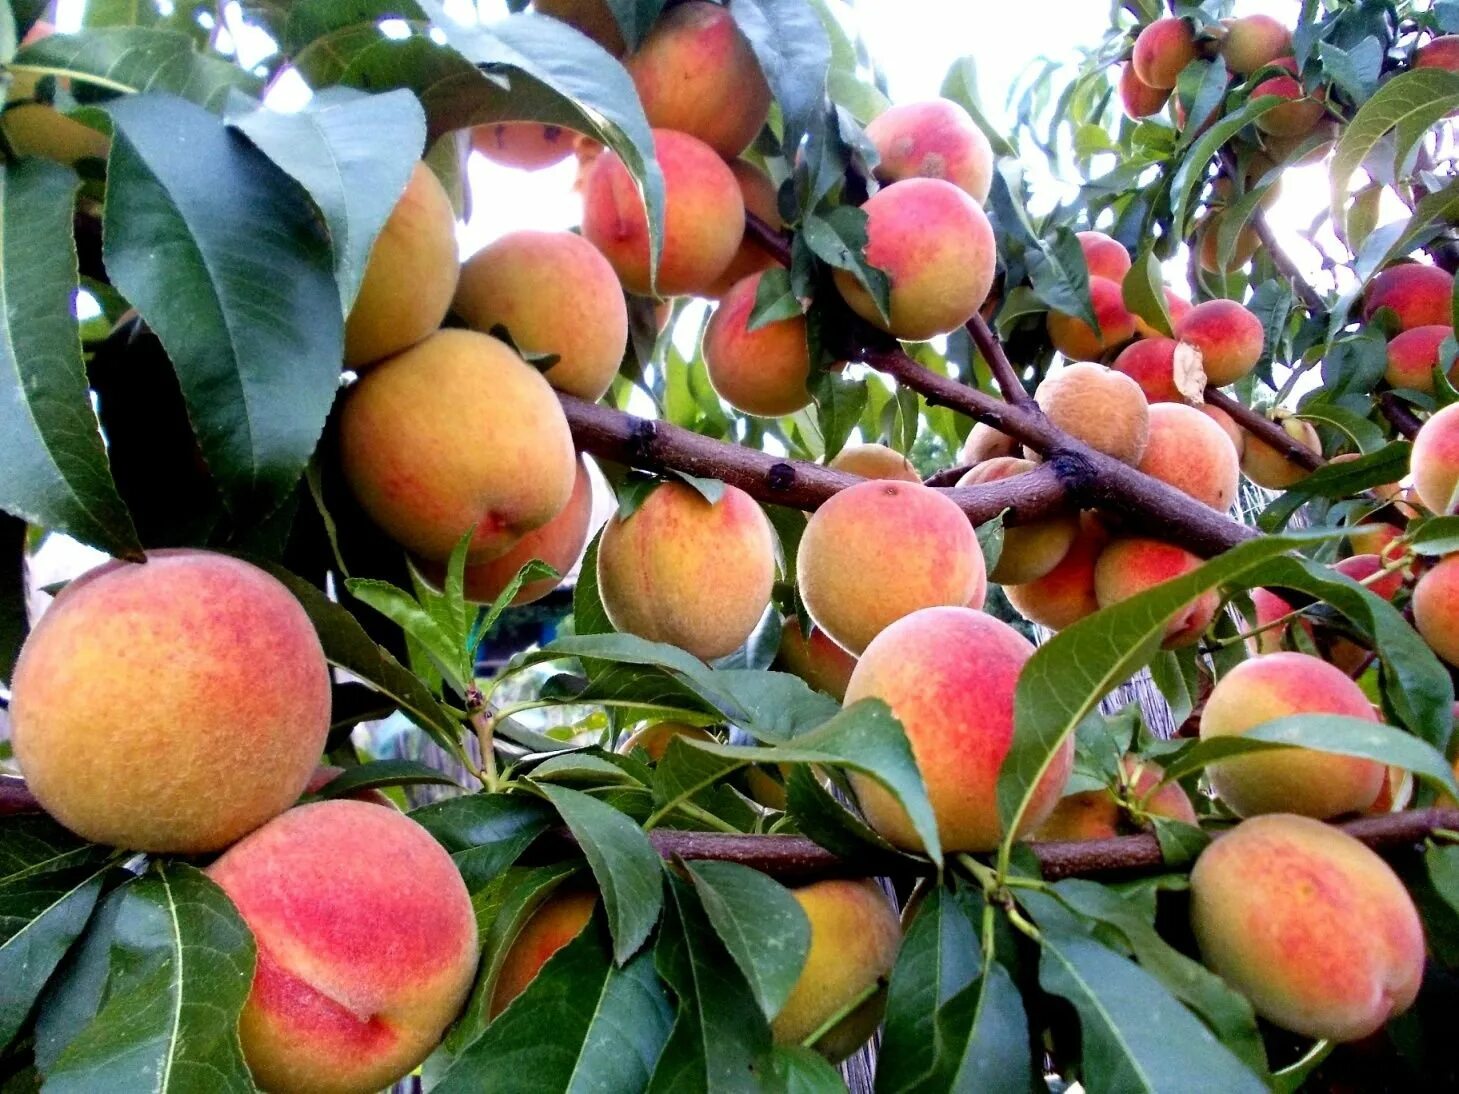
(1019, 652)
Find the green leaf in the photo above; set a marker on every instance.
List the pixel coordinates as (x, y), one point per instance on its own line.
(774, 299)
(1060, 276)
(1144, 291)
(801, 1070)
(485, 833)
(257, 392)
(794, 54)
(988, 1021)
(1431, 215)
(1192, 170)
(961, 86)
(179, 968)
(1355, 71)
(1338, 480)
(838, 238)
(354, 154)
(56, 472)
(839, 404)
(377, 773)
(404, 610)
(625, 865)
(764, 928)
(1234, 220)
(1436, 536)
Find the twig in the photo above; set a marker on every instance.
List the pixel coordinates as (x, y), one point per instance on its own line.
(1004, 374)
(771, 239)
(1262, 427)
(1399, 415)
(1284, 264)
(15, 797)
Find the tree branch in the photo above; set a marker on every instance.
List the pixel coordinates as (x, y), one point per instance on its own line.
(769, 238)
(1399, 415)
(1284, 264)
(1004, 374)
(1259, 425)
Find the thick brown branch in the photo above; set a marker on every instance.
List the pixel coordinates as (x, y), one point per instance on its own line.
(15, 797)
(1399, 415)
(1284, 264)
(1259, 425)
(1004, 374)
(771, 239)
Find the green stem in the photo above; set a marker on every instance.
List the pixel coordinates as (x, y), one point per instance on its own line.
(693, 812)
(841, 1015)
(1017, 919)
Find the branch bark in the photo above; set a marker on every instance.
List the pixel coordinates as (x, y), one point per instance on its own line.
(1004, 374)
(1284, 264)
(1259, 425)
(1399, 415)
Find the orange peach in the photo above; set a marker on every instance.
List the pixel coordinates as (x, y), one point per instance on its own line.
(1103, 408)
(761, 371)
(1310, 925)
(1374, 537)
(1300, 114)
(875, 461)
(366, 946)
(880, 550)
(1065, 594)
(1128, 567)
(933, 139)
(1228, 335)
(1420, 296)
(1100, 814)
(654, 739)
(454, 434)
(1150, 362)
(1413, 355)
(555, 923)
(529, 146)
(1139, 99)
(760, 198)
(949, 676)
(1192, 453)
(1435, 461)
(592, 17)
(1076, 339)
(1315, 784)
(1436, 608)
(1247, 244)
(986, 443)
(38, 129)
(1031, 550)
(1162, 50)
(1265, 466)
(1441, 52)
(687, 572)
(1268, 608)
(1253, 41)
(1104, 256)
(1228, 425)
(817, 660)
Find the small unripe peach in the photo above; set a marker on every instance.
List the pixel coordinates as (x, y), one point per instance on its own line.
(1436, 608)
(1162, 50)
(593, 17)
(1252, 41)
(1191, 452)
(1139, 99)
(1098, 814)
(875, 461)
(935, 139)
(1292, 780)
(1029, 550)
(986, 443)
(1150, 362)
(1065, 594)
(1435, 461)
(1104, 256)
(1441, 52)
(1103, 408)
(529, 146)
(760, 198)
(1265, 466)
(1420, 296)
(761, 371)
(654, 739)
(1076, 339)
(1413, 355)
(1297, 116)
(1228, 335)
(1310, 925)
(817, 660)
(1128, 567)
(559, 920)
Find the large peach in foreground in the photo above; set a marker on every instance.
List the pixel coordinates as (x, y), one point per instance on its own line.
(1419, 295)
(1162, 50)
(1228, 335)
(1192, 453)
(1101, 407)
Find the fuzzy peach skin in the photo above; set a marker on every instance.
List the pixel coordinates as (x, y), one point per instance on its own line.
(1192, 453)
(593, 17)
(1077, 340)
(1434, 462)
(1029, 550)
(875, 461)
(704, 217)
(1265, 466)
(936, 247)
(1441, 52)
(696, 73)
(529, 146)
(455, 433)
(949, 676)
(682, 571)
(1228, 335)
(1234, 433)
(1413, 355)
(1310, 925)
(1139, 99)
(410, 277)
(986, 443)
(559, 919)
(855, 935)
(1098, 814)
(762, 371)
(933, 139)
(1419, 295)
(1128, 567)
(366, 946)
(1436, 608)
(760, 198)
(1150, 362)
(1065, 594)
(1300, 114)
(173, 705)
(880, 550)
(817, 660)
(1104, 256)
(1162, 50)
(654, 740)
(1315, 784)
(555, 293)
(1103, 408)
(1252, 41)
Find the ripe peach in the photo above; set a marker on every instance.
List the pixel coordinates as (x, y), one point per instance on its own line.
(682, 571)
(1175, 306)
(760, 198)
(1420, 296)
(366, 945)
(855, 935)
(1192, 453)
(880, 550)
(936, 247)
(1315, 784)
(410, 277)
(559, 919)
(554, 293)
(170, 706)
(1228, 335)
(1247, 243)
(986, 443)
(1104, 256)
(1253, 41)
(1139, 99)
(704, 217)
(1413, 355)
(1030, 551)
(1300, 115)
(529, 146)
(1065, 594)
(1075, 338)
(1103, 408)
(1310, 925)
(593, 17)
(933, 139)
(1435, 461)
(875, 461)
(1228, 425)
(1373, 537)
(1162, 50)
(762, 371)
(696, 73)
(654, 739)
(817, 660)
(37, 129)
(1436, 608)
(453, 434)
(949, 675)
(1441, 52)
(1265, 466)
(1347, 655)
(1128, 567)
(1099, 814)
(1150, 362)
(1268, 607)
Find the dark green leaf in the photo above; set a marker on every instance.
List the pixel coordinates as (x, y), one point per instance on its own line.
(14, 613)
(838, 238)
(1060, 277)
(839, 403)
(1144, 291)
(795, 55)
(804, 1071)
(485, 833)
(986, 1020)
(1339, 480)
(377, 773)
(1436, 536)
(774, 299)
(1192, 170)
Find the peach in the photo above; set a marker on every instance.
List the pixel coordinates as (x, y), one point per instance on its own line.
(454, 434)
(1228, 425)
(1413, 355)
(170, 706)
(704, 217)
(696, 74)
(1128, 567)
(1253, 41)
(936, 247)
(1298, 116)
(1150, 362)
(880, 550)
(1175, 307)
(555, 923)
(1282, 150)
(592, 17)
(1310, 925)
(1268, 608)
(36, 129)
(760, 198)
(1192, 453)
(933, 139)
(1420, 296)
(1435, 461)
(1436, 608)
(654, 739)
(687, 572)
(875, 461)
(1139, 99)
(555, 294)
(817, 660)
(762, 371)
(1396, 793)
(1103, 408)
(529, 146)
(1228, 335)
(410, 277)
(985, 443)
(1247, 243)
(1076, 339)
(949, 675)
(1265, 466)
(1065, 594)
(1441, 52)
(23, 85)
(1162, 50)
(1347, 655)
(1104, 256)
(1374, 537)
(855, 935)
(1100, 814)
(366, 946)
(1030, 551)
(1314, 784)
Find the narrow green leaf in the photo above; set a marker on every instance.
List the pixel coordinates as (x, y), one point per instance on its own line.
(774, 299)
(1144, 291)
(1192, 170)
(404, 610)
(1060, 276)
(1435, 536)
(378, 773)
(794, 53)
(1338, 480)
(485, 833)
